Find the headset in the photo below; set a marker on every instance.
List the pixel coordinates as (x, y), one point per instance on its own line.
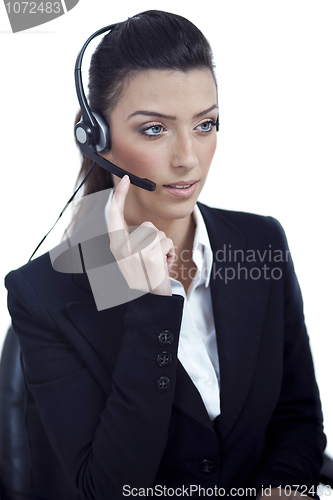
(92, 132)
(93, 135)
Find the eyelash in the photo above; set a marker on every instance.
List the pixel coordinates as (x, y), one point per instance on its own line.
(152, 125)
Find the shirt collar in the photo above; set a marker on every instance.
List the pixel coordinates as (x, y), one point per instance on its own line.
(202, 250)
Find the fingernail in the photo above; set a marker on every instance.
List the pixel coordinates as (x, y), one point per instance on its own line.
(126, 178)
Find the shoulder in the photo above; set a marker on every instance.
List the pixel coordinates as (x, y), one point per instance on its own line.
(39, 284)
(253, 228)
(60, 273)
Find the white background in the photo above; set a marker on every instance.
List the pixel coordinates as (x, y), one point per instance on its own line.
(274, 157)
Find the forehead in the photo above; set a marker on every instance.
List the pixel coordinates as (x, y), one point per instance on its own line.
(168, 91)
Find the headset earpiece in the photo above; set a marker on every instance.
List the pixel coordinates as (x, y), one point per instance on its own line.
(103, 145)
(98, 136)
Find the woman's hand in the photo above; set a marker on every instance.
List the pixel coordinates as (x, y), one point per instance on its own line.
(144, 256)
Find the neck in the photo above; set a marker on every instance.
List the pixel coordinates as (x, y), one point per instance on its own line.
(181, 232)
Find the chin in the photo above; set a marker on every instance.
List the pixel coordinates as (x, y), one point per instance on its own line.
(176, 210)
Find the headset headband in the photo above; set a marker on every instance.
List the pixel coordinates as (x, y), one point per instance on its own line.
(92, 132)
(86, 111)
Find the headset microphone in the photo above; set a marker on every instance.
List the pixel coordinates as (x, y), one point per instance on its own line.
(92, 132)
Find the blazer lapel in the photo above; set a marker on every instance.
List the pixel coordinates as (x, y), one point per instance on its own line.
(238, 306)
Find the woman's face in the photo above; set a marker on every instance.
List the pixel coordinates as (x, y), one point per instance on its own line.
(162, 129)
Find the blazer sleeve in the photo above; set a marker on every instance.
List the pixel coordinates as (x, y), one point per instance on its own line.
(294, 440)
(103, 442)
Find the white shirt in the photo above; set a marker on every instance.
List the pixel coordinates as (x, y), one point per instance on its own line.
(197, 349)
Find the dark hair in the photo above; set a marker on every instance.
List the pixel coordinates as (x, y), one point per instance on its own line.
(149, 40)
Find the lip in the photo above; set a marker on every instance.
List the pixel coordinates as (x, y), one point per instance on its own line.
(182, 183)
(182, 193)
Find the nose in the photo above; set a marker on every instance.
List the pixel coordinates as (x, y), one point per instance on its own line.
(183, 151)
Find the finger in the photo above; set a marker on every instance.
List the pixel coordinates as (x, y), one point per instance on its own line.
(142, 237)
(116, 208)
(160, 251)
(169, 251)
(147, 236)
(118, 229)
(155, 259)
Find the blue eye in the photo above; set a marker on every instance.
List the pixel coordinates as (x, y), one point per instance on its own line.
(207, 126)
(153, 130)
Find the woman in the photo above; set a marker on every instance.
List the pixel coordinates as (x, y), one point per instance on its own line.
(197, 380)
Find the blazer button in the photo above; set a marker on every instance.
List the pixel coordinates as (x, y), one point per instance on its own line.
(164, 358)
(207, 467)
(163, 384)
(165, 338)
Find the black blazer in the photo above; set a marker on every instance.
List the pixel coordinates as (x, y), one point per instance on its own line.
(117, 420)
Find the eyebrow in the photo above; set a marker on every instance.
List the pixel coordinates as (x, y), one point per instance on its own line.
(168, 117)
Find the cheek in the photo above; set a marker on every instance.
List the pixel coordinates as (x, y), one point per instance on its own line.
(138, 159)
(207, 153)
